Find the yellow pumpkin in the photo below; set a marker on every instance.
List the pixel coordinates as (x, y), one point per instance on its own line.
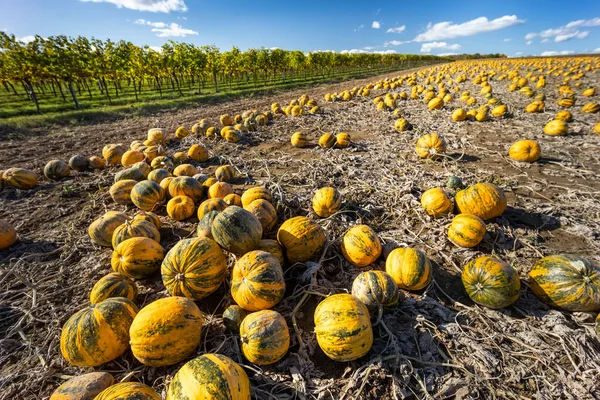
(435, 104)
(430, 146)
(113, 153)
(150, 217)
(131, 157)
(525, 150)
(181, 208)
(166, 331)
(466, 230)
(564, 115)
(459, 115)
(225, 173)
(102, 229)
(596, 128)
(556, 127)
(233, 199)
(499, 111)
(255, 193)
(113, 285)
(327, 141)
(236, 230)
(326, 201)
(210, 205)
(137, 258)
(128, 391)
(156, 135)
(257, 281)
(491, 282)
(591, 108)
(273, 247)
(181, 132)
(589, 92)
(98, 333)
(343, 327)
(483, 200)
(299, 139)
(135, 228)
(198, 153)
(302, 239)
(158, 175)
(194, 268)
(265, 337)
(97, 162)
(535, 107)
(435, 202)
(361, 245)
(401, 125)
(410, 268)
(20, 178)
(219, 190)
(185, 186)
(342, 140)
(147, 195)
(185, 170)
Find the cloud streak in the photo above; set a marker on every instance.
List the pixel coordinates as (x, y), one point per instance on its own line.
(398, 29)
(376, 25)
(164, 6)
(566, 32)
(449, 30)
(427, 47)
(167, 30)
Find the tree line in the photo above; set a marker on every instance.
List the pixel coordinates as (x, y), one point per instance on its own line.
(65, 66)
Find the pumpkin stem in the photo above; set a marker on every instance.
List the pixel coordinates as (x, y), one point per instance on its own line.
(180, 277)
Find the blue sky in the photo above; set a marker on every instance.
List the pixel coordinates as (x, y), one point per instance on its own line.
(436, 27)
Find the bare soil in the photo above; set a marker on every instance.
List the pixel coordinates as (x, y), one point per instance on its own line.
(435, 344)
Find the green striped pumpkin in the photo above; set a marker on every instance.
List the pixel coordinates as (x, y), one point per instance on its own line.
(113, 285)
(273, 247)
(20, 178)
(135, 228)
(186, 186)
(56, 169)
(233, 317)
(210, 376)
(210, 205)
(483, 200)
(99, 333)
(166, 331)
(102, 229)
(265, 337)
(257, 281)
(138, 257)
(255, 193)
(236, 230)
(410, 268)
(121, 191)
(147, 195)
(264, 212)
(135, 174)
(194, 268)
(128, 391)
(361, 245)
(302, 239)
(205, 225)
(225, 173)
(491, 282)
(157, 175)
(375, 289)
(162, 162)
(566, 281)
(466, 230)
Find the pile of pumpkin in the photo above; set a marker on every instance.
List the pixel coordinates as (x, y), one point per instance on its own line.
(327, 140)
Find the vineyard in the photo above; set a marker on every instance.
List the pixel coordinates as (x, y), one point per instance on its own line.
(57, 74)
(427, 233)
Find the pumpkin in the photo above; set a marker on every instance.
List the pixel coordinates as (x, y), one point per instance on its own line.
(96, 162)
(491, 282)
(83, 387)
(566, 281)
(147, 195)
(142, 166)
(343, 327)
(137, 258)
(361, 245)
(181, 132)
(435, 202)
(326, 201)
(435, 104)
(219, 190)
(128, 391)
(8, 235)
(20, 178)
(499, 111)
(237, 230)
(211, 132)
(466, 230)
(135, 228)
(210, 205)
(597, 325)
(535, 107)
(166, 331)
(375, 289)
(180, 208)
(401, 125)
(79, 162)
(151, 152)
(556, 127)
(302, 239)
(430, 146)
(589, 92)
(102, 229)
(113, 285)
(264, 212)
(205, 225)
(131, 157)
(459, 115)
(566, 102)
(273, 247)
(210, 376)
(194, 268)
(327, 141)
(484, 200)
(113, 153)
(591, 108)
(164, 184)
(201, 178)
(596, 128)
(564, 116)
(98, 333)
(525, 150)
(226, 120)
(156, 135)
(233, 199)
(56, 169)
(454, 182)
(410, 268)
(255, 193)
(132, 173)
(186, 186)
(342, 140)
(121, 191)
(299, 139)
(162, 162)
(148, 216)
(225, 173)
(233, 317)
(232, 136)
(257, 281)
(265, 337)
(185, 170)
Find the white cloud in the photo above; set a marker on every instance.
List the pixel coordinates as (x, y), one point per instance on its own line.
(519, 53)
(566, 32)
(165, 6)
(353, 51)
(26, 39)
(446, 54)
(556, 53)
(427, 47)
(545, 40)
(529, 42)
(385, 52)
(397, 29)
(273, 48)
(376, 25)
(359, 28)
(362, 51)
(596, 50)
(395, 43)
(163, 30)
(508, 39)
(448, 30)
